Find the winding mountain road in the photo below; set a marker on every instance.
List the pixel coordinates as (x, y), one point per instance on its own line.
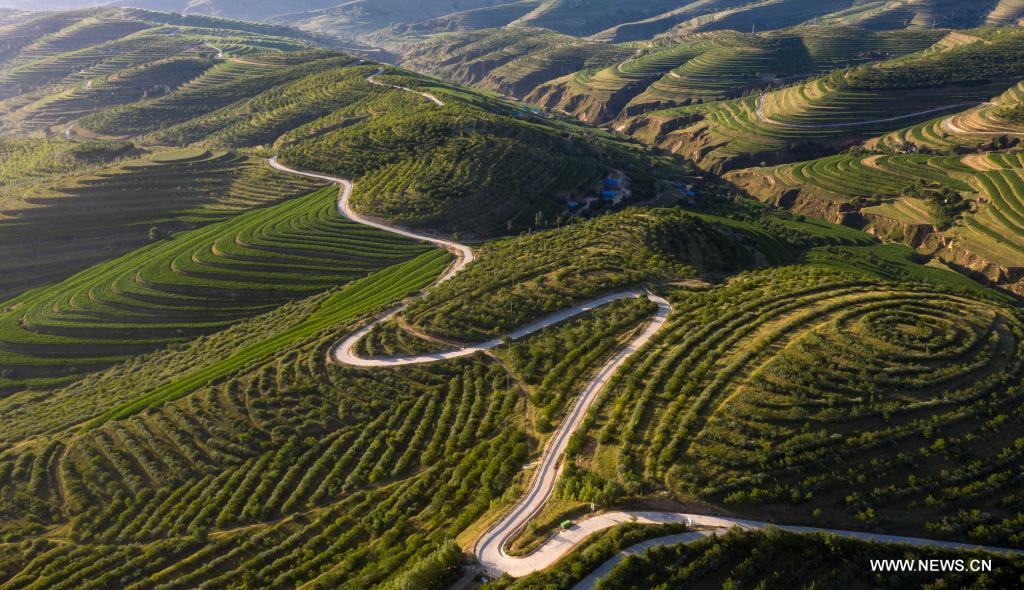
(490, 548)
(425, 95)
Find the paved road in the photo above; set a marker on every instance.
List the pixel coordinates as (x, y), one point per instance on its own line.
(490, 548)
(344, 353)
(464, 254)
(426, 95)
(220, 52)
(590, 582)
(714, 525)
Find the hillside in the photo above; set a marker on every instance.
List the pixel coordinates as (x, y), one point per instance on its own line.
(277, 314)
(710, 67)
(604, 20)
(837, 110)
(508, 61)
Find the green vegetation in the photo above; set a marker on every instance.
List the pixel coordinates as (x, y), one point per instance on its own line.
(777, 559)
(993, 125)
(185, 115)
(31, 161)
(51, 230)
(538, 274)
(171, 413)
(196, 283)
(512, 61)
(974, 200)
(758, 383)
(815, 117)
(566, 16)
(295, 473)
(475, 167)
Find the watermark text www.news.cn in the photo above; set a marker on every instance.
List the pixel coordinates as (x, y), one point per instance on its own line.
(931, 565)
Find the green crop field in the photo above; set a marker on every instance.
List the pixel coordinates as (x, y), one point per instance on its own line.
(198, 282)
(810, 118)
(973, 200)
(772, 559)
(512, 61)
(182, 404)
(49, 231)
(991, 125)
(551, 270)
(725, 406)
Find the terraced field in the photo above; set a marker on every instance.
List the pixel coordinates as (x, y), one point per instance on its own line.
(762, 15)
(1007, 12)
(671, 71)
(196, 283)
(726, 70)
(553, 270)
(509, 61)
(123, 87)
(484, 17)
(463, 166)
(218, 87)
(58, 70)
(751, 558)
(172, 418)
(818, 116)
(599, 96)
(726, 407)
(29, 161)
(280, 476)
(848, 176)
(996, 231)
(987, 126)
(917, 14)
(565, 16)
(922, 195)
(49, 232)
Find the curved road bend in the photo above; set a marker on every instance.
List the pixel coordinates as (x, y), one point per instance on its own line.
(715, 525)
(463, 254)
(344, 352)
(490, 548)
(425, 95)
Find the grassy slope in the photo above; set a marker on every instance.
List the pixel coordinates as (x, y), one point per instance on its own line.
(817, 116)
(242, 457)
(196, 283)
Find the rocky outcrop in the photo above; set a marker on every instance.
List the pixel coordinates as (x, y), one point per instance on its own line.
(959, 256)
(923, 237)
(916, 235)
(587, 105)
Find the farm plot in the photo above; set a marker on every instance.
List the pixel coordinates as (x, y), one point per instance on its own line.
(815, 117)
(218, 87)
(51, 231)
(990, 125)
(295, 474)
(199, 282)
(757, 385)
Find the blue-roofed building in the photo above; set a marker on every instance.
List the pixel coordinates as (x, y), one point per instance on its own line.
(612, 182)
(609, 195)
